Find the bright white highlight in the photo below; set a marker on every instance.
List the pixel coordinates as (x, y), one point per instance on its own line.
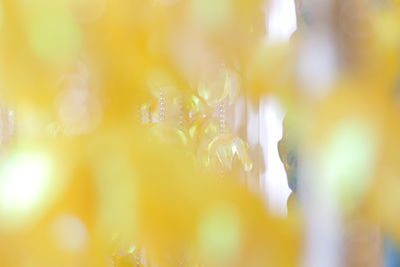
(24, 183)
(275, 182)
(281, 20)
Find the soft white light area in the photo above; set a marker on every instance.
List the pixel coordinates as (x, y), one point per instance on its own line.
(281, 24)
(70, 233)
(281, 20)
(24, 181)
(274, 177)
(252, 125)
(317, 65)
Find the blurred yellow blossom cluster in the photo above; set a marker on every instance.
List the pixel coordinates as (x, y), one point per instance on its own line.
(118, 144)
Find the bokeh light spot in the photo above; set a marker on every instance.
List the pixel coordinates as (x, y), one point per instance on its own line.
(220, 233)
(24, 181)
(55, 38)
(349, 159)
(70, 233)
(212, 14)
